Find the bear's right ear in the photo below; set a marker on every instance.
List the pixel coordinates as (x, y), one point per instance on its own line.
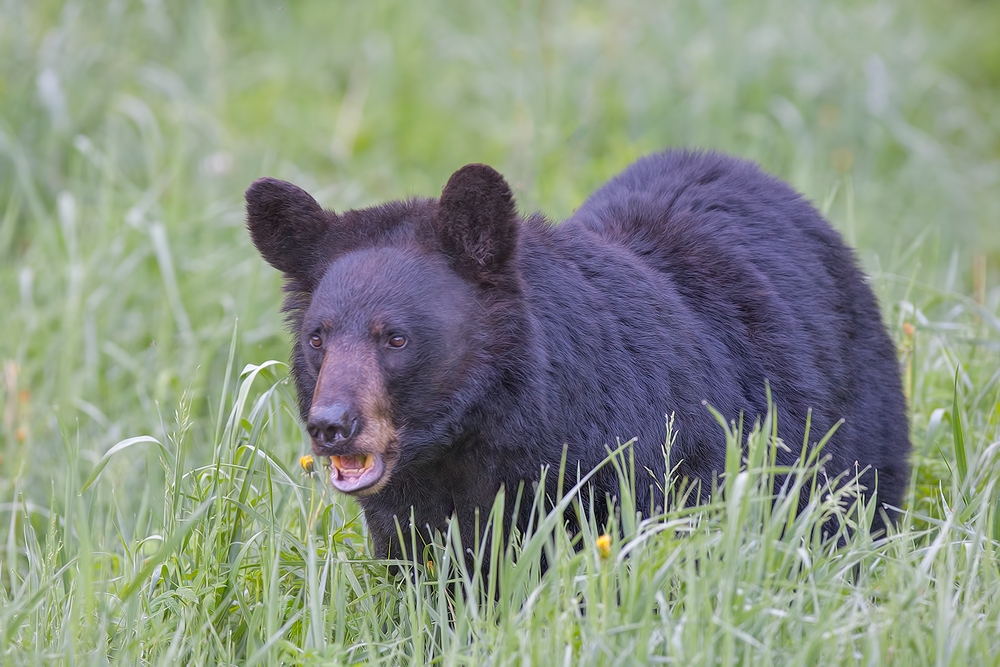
(288, 227)
(477, 223)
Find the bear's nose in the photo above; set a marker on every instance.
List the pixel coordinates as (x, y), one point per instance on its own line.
(331, 425)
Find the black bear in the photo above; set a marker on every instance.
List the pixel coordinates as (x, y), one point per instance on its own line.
(445, 348)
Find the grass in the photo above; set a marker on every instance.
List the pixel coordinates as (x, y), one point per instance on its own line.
(152, 504)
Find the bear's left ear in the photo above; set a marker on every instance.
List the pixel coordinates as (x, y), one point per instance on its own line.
(288, 227)
(477, 223)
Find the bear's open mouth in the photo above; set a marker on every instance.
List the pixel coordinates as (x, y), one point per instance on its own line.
(353, 473)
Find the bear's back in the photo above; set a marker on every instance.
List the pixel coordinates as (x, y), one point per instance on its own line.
(748, 262)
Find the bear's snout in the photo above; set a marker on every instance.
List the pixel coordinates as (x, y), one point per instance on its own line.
(349, 420)
(332, 427)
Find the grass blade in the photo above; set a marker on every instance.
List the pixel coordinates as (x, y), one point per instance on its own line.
(119, 447)
(958, 432)
(168, 548)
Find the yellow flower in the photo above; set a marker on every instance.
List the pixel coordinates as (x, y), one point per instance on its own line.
(307, 463)
(430, 567)
(604, 546)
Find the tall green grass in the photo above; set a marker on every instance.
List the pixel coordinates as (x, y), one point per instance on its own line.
(151, 499)
(252, 561)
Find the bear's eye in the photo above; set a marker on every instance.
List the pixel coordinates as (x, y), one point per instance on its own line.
(396, 341)
(315, 341)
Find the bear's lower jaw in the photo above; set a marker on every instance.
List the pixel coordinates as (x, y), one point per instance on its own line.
(356, 474)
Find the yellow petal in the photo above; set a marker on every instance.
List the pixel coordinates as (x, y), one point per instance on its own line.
(604, 546)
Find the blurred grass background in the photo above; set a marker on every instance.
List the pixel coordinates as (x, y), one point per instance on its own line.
(129, 130)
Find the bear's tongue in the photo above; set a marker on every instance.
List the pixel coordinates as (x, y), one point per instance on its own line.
(352, 465)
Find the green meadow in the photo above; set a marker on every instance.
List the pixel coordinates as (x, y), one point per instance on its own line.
(153, 509)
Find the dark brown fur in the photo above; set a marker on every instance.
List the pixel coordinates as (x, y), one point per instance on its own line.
(689, 278)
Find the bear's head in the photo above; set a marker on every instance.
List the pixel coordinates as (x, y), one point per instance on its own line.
(387, 308)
